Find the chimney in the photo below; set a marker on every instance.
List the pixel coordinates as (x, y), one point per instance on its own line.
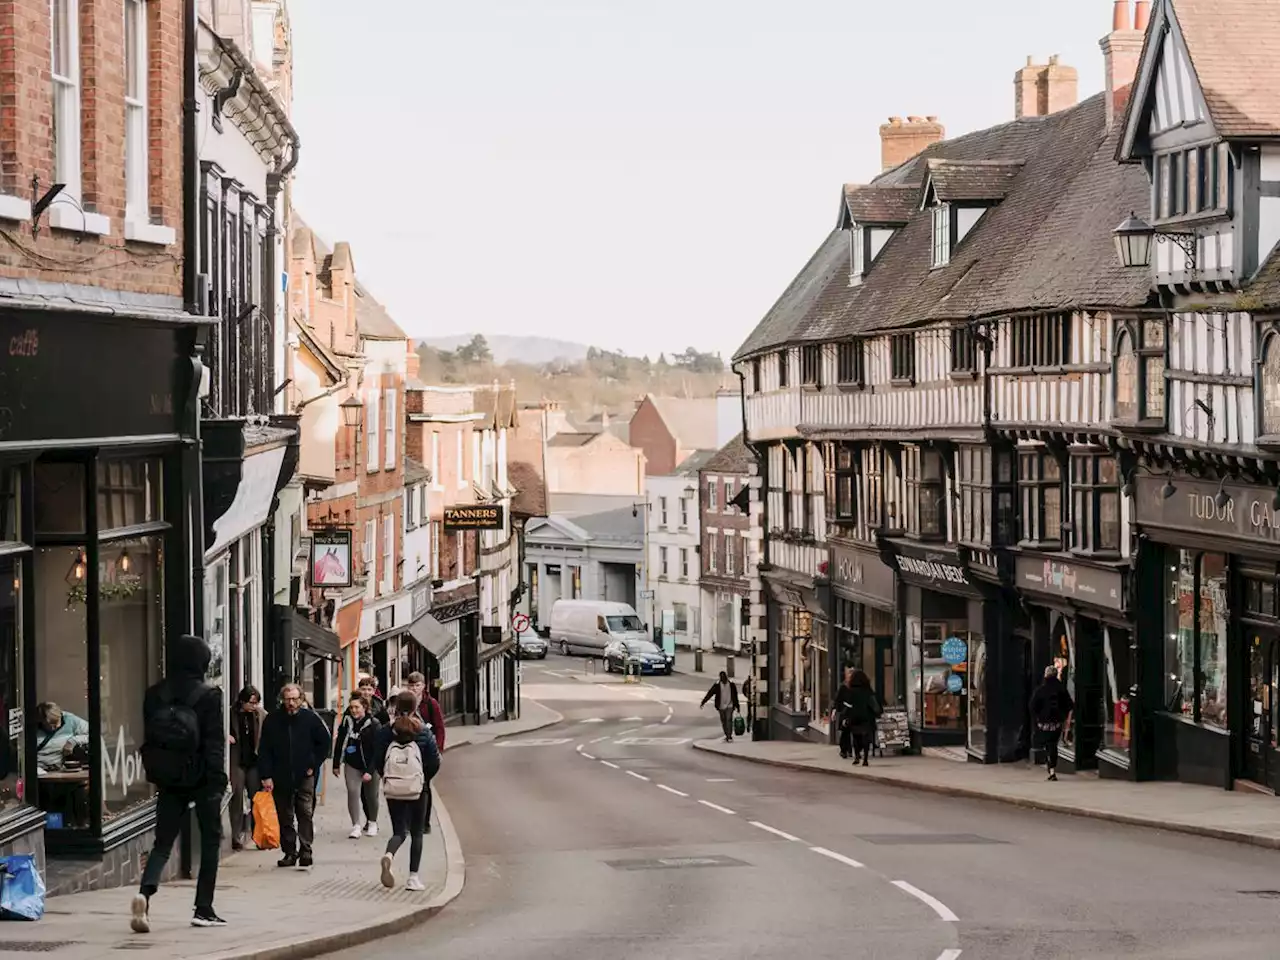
(900, 141)
(1121, 49)
(1042, 89)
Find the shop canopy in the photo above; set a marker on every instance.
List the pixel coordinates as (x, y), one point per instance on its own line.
(432, 635)
(314, 638)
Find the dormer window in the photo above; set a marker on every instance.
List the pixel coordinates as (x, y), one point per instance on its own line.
(857, 254)
(943, 230)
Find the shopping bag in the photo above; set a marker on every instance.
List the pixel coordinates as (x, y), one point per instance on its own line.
(266, 825)
(21, 888)
(739, 726)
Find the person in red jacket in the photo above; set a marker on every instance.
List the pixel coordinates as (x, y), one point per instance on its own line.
(431, 714)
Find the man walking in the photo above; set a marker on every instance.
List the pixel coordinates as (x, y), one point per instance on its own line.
(295, 745)
(1051, 708)
(725, 692)
(429, 712)
(184, 748)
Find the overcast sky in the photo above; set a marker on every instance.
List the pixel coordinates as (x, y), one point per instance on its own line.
(635, 175)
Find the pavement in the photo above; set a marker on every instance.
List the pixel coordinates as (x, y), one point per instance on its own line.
(276, 914)
(607, 835)
(1241, 816)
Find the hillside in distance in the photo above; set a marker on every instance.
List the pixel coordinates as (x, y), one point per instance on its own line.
(505, 349)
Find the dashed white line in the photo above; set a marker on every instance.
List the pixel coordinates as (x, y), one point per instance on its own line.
(612, 766)
(716, 806)
(632, 719)
(838, 857)
(952, 954)
(638, 776)
(579, 748)
(775, 831)
(678, 793)
(938, 907)
(719, 779)
(587, 755)
(667, 718)
(600, 739)
(592, 720)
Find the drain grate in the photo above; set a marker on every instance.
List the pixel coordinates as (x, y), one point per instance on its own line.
(1265, 894)
(676, 863)
(925, 839)
(35, 946)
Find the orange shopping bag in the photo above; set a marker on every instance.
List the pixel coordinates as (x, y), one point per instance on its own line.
(266, 825)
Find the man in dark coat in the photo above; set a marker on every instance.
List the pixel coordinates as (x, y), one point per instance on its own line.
(725, 693)
(202, 779)
(295, 745)
(855, 709)
(1051, 708)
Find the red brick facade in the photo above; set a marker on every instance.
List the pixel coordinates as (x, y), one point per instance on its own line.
(649, 432)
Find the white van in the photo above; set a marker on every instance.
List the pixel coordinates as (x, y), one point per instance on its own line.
(588, 626)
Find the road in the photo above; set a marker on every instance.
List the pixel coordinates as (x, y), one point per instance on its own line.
(607, 836)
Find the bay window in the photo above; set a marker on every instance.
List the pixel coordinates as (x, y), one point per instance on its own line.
(1095, 490)
(925, 509)
(975, 494)
(1138, 371)
(1040, 483)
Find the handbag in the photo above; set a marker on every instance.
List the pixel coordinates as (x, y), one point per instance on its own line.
(739, 726)
(266, 824)
(21, 888)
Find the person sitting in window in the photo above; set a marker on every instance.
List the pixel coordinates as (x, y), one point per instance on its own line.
(60, 736)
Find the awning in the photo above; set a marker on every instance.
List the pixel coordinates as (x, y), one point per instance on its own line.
(314, 638)
(432, 635)
(252, 503)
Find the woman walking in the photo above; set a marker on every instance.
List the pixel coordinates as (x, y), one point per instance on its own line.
(244, 738)
(353, 752)
(407, 759)
(857, 708)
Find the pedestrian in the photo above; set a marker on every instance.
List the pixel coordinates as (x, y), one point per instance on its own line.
(353, 753)
(725, 692)
(429, 712)
(245, 735)
(749, 695)
(377, 706)
(407, 759)
(295, 744)
(856, 708)
(183, 752)
(1051, 709)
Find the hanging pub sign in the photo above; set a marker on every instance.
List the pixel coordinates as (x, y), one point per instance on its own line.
(491, 635)
(331, 559)
(475, 516)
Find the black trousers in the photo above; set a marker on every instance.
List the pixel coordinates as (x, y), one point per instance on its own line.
(427, 818)
(409, 819)
(299, 803)
(1047, 740)
(170, 809)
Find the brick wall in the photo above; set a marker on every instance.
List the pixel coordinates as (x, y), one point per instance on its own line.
(649, 432)
(26, 146)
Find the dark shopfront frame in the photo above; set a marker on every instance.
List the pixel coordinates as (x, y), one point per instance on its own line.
(1088, 598)
(82, 389)
(1245, 530)
(787, 595)
(861, 582)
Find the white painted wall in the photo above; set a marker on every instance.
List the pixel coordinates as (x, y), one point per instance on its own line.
(674, 537)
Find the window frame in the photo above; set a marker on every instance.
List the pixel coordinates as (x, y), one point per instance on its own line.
(1091, 490)
(902, 358)
(662, 512)
(964, 351)
(664, 567)
(784, 372)
(923, 476)
(811, 365)
(942, 234)
(372, 431)
(1034, 487)
(850, 363)
(713, 499)
(389, 553)
(1040, 341)
(66, 112)
(137, 132)
(1268, 348)
(712, 553)
(1189, 182)
(684, 563)
(858, 251)
(435, 460)
(841, 460)
(1148, 338)
(730, 559)
(390, 409)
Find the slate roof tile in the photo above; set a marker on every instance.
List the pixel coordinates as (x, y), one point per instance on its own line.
(1233, 47)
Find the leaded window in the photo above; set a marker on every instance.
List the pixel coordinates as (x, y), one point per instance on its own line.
(1040, 483)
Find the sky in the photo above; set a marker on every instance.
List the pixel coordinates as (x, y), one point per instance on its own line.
(643, 176)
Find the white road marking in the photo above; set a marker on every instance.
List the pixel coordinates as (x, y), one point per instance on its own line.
(678, 793)
(632, 719)
(719, 779)
(592, 720)
(587, 755)
(951, 954)
(652, 741)
(533, 743)
(667, 718)
(938, 907)
(612, 766)
(775, 831)
(638, 776)
(552, 673)
(839, 857)
(600, 739)
(579, 748)
(716, 806)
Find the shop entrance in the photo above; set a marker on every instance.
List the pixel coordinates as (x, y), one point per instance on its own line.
(1260, 708)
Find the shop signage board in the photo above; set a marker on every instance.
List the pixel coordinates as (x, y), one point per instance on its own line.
(477, 516)
(1102, 588)
(456, 610)
(932, 569)
(893, 732)
(331, 559)
(491, 635)
(1246, 513)
(861, 573)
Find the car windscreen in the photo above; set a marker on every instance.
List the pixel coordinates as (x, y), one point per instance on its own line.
(627, 624)
(643, 650)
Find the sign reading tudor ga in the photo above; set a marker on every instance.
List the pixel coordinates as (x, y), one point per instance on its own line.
(479, 516)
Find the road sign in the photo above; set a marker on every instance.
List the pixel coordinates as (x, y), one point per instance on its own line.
(520, 622)
(646, 594)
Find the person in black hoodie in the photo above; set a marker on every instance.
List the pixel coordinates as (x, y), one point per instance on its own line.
(377, 708)
(408, 814)
(1051, 707)
(183, 777)
(295, 745)
(353, 751)
(856, 708)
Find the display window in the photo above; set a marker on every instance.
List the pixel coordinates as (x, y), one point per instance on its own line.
(1196, 623)
(937, 671)
(1118, 675)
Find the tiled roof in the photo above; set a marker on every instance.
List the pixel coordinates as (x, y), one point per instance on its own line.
(692, 422)
(372, 319)
(879, 205)
(733, 457)
(958, 181)
(691, 464)
(414, 471)
(572, 439)
(1233, 47)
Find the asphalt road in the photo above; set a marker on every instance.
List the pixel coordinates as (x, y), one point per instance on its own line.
(607, 837)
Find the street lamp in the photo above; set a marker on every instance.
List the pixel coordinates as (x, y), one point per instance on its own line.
(1134, 238)
(352, 411)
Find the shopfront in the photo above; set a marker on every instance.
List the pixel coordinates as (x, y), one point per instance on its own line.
(863, 621)
(800, 663)
(96, 561)
(1210, 562)
(1078, 621)
(458, 613)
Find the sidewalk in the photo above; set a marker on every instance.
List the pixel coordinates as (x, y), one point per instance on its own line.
(1240, 816)
(276, 914)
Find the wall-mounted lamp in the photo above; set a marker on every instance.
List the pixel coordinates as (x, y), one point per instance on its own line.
(124, 560)
(1134, 238)
(1221, 498)
(1168, 490)
(352, 411)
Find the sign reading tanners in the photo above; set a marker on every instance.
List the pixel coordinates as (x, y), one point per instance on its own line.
(478, 516)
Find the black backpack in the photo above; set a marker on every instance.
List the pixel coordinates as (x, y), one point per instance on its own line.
(171, 748)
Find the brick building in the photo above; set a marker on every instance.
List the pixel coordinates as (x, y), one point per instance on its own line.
(724, 577)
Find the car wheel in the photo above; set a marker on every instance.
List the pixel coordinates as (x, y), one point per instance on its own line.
(542, 655)
(564, 648)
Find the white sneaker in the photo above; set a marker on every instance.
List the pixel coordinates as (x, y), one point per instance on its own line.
(355, 832)
(388, 878)
(141, 921)
(414, 883)
(371, 828)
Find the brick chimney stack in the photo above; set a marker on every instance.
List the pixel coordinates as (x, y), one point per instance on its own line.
(1042, 89)
(900, 141)
(1121, 49)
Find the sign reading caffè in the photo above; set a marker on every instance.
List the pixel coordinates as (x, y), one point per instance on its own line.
(1234, 510)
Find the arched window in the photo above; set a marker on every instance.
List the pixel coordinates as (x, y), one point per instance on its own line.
(1270, 386)
(1126, 374)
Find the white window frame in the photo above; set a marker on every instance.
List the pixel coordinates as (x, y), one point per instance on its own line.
(370, 556)
(940, 235)
(461, 546)
(410, 508)
(137, 136)
(729, 565)
(462, 466)
(435, 462)
(435, 550)
(662, 511)
(713, 489)
(372, 431)
(684, 563)
(684, 513)
(389, 406)
(662, 561)
(477, 475)
(729, 508)
(711, 553)
(389, 553)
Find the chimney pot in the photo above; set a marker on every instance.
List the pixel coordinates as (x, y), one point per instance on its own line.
(899, 141)
(915, 120)
(1120, 17)
(1142, 15)
(1041, 90)
(931, 118)
(1053, 60)
(896, 121)
(1030, 60)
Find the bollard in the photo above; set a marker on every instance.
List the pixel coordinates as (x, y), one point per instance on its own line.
(697, 660)
(728, 665)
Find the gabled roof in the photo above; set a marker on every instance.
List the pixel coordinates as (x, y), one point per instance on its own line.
(322, 353)
(733, 457)
(871, 205)
(372, 319)
(572, 439)
(957, 181)
(1233, 46)
(414, 471)
(692, 464)
(693, 422)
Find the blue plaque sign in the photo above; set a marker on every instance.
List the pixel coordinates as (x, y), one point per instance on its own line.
(955, 651)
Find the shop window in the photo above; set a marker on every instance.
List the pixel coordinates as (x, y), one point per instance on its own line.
(1040, 483)
(1260, 598)
(925, 506)
(1269, 381)
(818, 691)
(811, 366)
(936, 699)
(1196, 636)
(128, 493)
(1095, 489)
(1118, 674)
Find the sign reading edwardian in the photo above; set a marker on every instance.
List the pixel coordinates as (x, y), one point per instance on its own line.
(331, 559)
(1245, 512)
(479, 516)
(937, 570)
(861, 573)
(1102, 588)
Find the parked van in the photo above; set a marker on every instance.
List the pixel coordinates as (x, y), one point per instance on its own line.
(588, 626)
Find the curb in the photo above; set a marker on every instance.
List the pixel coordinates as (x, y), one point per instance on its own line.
(1026, 803)
(556, 717)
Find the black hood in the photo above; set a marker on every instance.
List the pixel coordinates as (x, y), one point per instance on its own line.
(189, 657)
